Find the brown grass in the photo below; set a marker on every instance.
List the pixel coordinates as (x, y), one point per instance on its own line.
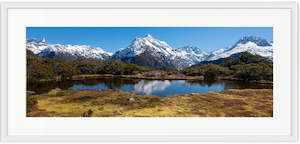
(109, 103)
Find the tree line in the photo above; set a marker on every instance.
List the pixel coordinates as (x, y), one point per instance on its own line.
(39, 68)
(243, 66)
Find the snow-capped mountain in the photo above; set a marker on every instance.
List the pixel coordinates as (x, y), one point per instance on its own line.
(155, 53)
(194, 54)
(138, 46)
(66, 52)
(254, 45)
(36, 46)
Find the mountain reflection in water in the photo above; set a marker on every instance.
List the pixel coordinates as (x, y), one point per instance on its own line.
(148, 87)
(161, 88)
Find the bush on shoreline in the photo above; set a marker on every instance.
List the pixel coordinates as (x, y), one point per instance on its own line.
(254, 72)
(207, 69)
(243, 66)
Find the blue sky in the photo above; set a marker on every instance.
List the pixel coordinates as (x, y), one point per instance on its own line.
(113, 38)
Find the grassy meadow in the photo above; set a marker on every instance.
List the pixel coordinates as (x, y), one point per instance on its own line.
(110, 103)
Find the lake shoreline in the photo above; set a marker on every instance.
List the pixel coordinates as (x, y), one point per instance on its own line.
(112, 103)
(140, 76)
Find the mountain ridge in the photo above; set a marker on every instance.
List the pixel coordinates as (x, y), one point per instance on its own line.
(65, 52)
(148, 51)
(253, 44)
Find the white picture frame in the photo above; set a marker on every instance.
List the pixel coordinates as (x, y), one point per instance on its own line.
(292, 6)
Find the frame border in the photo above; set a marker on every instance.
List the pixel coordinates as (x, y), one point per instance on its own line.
(295, 53)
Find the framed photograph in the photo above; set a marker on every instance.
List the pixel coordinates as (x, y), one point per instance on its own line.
(149, 71)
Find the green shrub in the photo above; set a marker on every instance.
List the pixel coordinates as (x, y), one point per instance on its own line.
(254, 72)
(208, 70)
(210, 74)
(37, 70)
(132, 69)
(115, 67)
(88, 66)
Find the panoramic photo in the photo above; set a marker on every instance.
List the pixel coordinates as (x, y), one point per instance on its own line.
(149, 71)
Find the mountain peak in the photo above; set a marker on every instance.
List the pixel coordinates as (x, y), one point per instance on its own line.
(257, 40)
(251, 38)
(253, 44)
(43, 40)
(149, 37)
(147, 45)
(32, 40)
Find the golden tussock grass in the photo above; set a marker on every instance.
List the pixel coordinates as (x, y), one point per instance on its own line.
(110, 103)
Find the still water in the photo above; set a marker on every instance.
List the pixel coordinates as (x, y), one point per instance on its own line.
(161, 88)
